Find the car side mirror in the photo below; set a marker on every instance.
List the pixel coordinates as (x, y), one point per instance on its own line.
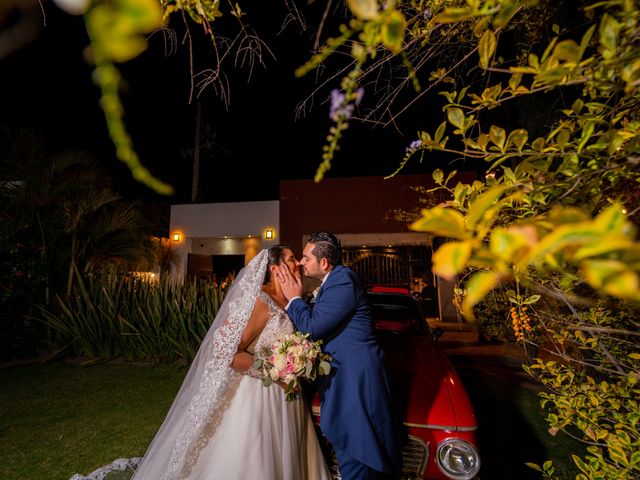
(437, 333)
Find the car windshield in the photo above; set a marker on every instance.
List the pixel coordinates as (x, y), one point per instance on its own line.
(396, 313)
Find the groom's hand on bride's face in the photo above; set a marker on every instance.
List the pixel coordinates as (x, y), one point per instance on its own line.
(291, 284)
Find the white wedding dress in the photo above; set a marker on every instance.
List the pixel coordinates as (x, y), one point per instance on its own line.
(226, 425)
(260, 434)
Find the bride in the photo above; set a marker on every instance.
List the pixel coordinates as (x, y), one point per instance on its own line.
(223, 422)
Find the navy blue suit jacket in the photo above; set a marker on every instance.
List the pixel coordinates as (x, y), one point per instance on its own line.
(357, 415)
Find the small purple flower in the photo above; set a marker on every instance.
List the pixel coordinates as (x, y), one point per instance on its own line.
(337, 102)
(359, 95)
(340, 108)
(414, 145)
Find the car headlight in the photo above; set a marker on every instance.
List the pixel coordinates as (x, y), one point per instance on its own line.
(458, 459)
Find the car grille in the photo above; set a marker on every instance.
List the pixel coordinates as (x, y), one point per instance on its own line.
(415, 456)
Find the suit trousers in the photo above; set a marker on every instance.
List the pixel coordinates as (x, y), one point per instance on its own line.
(352, 469)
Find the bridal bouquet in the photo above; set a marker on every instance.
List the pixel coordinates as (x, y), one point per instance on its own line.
(290, 359)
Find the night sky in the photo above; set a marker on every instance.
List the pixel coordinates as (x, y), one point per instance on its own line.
(46, 87)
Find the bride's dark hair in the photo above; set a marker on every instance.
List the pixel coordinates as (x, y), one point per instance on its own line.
(275, 256)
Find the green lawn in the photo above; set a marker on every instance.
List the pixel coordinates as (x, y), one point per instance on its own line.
(60, 419)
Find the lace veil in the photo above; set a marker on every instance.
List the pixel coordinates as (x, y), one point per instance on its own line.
(202, 394)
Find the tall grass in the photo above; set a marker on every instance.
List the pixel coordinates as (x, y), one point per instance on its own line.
(109, 317)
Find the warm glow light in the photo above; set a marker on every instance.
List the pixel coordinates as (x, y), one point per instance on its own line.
(176, 236)
(624, 211)
(269, 234)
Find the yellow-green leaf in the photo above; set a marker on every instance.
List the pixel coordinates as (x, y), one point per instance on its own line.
(506, 13)
(514, 243)
(478, 208)
(596, 272)
(518, 138)
(497, 136)
(623, 285)
(451, 258)
(454, 14)
(606, 245)
(567, 50)
(613, 220)
(456, 117)
(392, 31)
(486, 48)
(608, 30)
(444, 222)
(364, 9)
(478, 286)
(575, 234)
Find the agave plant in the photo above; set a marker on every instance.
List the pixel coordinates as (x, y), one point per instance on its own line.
(111, 317)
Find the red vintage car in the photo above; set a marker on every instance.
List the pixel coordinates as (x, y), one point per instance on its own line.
(437, 413)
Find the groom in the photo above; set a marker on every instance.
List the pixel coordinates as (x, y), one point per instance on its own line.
(357, 416)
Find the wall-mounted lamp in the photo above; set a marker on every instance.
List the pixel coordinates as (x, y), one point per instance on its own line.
(269, 234)
(176, 236)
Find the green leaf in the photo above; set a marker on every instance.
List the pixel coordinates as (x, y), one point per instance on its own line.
(564, 236)
(479, 207)
(451, 258)
(586, 38)
(497, 136)
(445, 222)
(567, 50)
(580, 464)
(454, 14)
(506, 13)
(392, 31)
(587, 131)
(534, 466)
(618, 455)
(364, 9)
(549, 49)
(456, 117)
(478, 286)
(460, 193)
(518, 138)
(608, 30)
(562, 138)
(486, 48)
(606, 245)
(531, 300)
(613, 220)
(623, 285)
(596, 272)
(515, 80)
(538, 144)
(438, 176)
(440, 132)
(513, 243)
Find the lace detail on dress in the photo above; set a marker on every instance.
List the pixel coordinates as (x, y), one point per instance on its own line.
(216, 377)
(277, 326)
(118, 465)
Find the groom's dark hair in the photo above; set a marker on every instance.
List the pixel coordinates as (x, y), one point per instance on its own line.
(326, 246)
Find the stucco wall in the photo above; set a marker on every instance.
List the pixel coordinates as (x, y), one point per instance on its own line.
(207, 224)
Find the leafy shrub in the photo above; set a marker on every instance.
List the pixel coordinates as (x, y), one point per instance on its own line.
(114, 316)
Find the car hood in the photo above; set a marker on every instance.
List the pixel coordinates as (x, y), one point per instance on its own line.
(426, 387)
